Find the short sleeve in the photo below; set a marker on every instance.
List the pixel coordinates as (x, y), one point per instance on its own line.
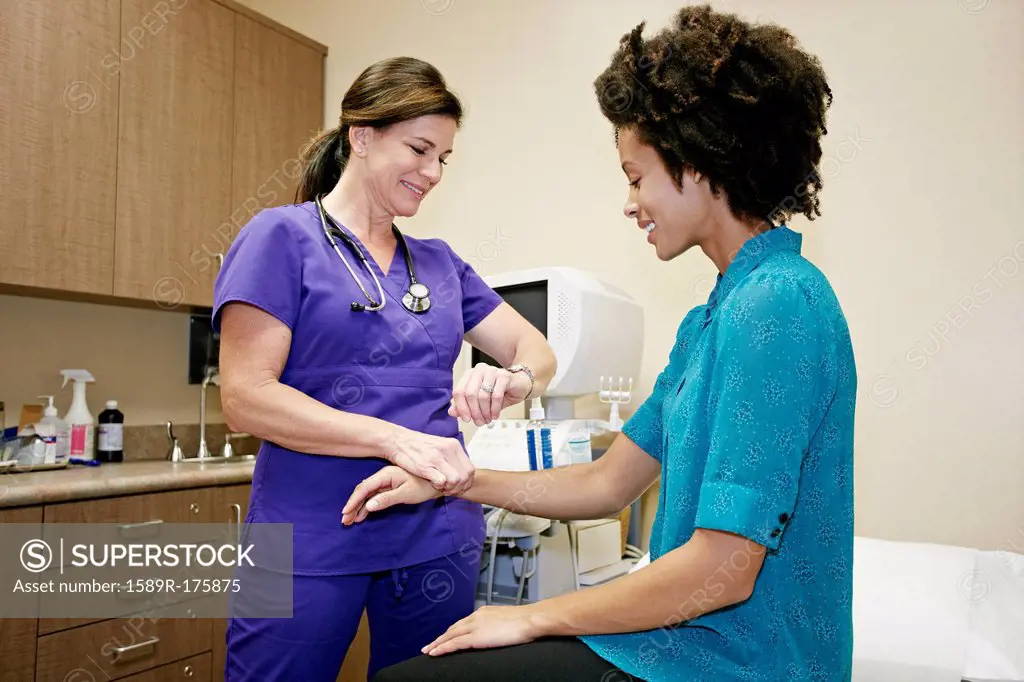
(263, 268)
(478, 299)
(769, 380)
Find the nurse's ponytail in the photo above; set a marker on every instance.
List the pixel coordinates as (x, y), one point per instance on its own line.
(322, 162)
(387, 92)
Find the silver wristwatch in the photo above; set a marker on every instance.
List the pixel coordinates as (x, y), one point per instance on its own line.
(520, 367)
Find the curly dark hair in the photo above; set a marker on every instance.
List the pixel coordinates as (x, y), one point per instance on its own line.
(739, 103)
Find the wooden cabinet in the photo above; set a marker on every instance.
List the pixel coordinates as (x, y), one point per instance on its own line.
(357, 661)
(159, 643)
(164, 643)
(137, 138)
(173, 152)
(235, 507)
(58, 143)
(116, 648)
(187, 670)
(279, 102)
(18, 635)
(140, 516)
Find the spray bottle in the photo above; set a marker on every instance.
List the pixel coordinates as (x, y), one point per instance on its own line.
(79, 419)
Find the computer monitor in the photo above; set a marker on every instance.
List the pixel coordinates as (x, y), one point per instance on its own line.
(595, 329)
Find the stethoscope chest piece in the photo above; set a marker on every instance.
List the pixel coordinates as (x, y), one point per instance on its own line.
(417, 298)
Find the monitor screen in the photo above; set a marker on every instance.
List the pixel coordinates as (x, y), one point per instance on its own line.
(531, 301)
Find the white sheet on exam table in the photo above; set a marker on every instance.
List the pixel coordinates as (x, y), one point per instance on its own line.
(921, 612)
(910, 621)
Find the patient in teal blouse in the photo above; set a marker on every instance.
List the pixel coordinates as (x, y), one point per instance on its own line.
(750, 424)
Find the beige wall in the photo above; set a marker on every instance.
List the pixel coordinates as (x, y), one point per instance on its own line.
(922, 204)
(138, 357)
(922, 200)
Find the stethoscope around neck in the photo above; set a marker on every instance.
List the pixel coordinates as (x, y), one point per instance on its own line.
(417, 296)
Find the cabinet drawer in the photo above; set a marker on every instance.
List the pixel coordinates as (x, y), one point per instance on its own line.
(195, 669)
(178, 506)
(114, 649)
(142, 517)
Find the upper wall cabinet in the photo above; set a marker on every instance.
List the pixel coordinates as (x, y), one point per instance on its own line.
(279, 104)
(137, 138)
(174, 153)
(58, 143)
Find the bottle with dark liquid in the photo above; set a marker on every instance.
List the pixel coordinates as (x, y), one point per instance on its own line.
(110, 434)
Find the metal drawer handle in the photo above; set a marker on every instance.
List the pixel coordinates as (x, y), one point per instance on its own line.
(137, 526)
(132, 652)
(188, 671)
(194, 507)
(124, 591)
(138, 530)
(237, 508)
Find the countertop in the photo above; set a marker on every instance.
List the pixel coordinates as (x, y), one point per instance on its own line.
(110, 479)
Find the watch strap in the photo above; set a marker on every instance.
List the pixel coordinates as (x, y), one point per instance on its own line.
(520, 367)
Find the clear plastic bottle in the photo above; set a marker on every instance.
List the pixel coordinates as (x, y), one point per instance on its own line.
(60, 431)
(78, 417)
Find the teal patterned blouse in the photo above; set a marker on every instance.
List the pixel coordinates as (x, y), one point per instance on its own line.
(752, 422)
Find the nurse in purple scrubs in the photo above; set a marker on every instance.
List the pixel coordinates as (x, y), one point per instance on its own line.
(339, 336)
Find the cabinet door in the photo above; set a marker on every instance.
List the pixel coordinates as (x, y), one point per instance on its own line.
(279, 106)
(58, 136)
(234, 506)
(18, 635)
(174, 149)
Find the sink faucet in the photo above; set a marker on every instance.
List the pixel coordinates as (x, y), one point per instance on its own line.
(212, 376)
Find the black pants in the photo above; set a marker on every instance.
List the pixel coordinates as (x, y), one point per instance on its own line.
(565, 659)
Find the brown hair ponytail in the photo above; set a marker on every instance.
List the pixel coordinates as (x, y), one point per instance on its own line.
(322, 162)
(387, 92)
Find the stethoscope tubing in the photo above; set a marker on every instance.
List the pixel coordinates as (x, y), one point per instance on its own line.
(333, 230)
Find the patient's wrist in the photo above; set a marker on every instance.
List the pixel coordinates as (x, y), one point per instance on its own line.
(542, 622)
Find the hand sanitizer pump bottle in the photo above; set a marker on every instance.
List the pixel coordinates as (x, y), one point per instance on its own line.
(59, 430)
(79, 419)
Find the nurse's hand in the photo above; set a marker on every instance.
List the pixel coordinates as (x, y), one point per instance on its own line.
(390, 486)
(470, 402)
(441, 461)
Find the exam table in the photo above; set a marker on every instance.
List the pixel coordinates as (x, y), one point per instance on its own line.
(935, 613)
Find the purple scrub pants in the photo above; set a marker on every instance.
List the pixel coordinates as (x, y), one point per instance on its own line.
(407, 608)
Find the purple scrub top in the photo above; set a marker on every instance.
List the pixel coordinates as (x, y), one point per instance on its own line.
(391, 364)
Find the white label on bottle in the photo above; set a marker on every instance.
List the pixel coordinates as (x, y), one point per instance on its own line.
(63, 446)
(111, 437)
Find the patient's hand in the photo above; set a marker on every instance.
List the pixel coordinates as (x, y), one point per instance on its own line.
(390, 486)
(491, 626)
